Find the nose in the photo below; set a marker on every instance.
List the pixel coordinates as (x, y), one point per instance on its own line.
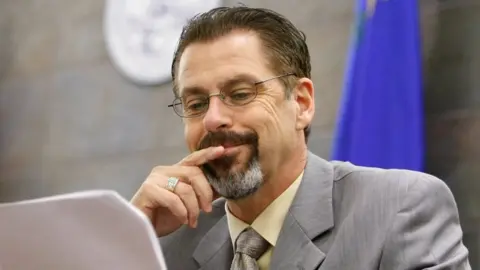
(217, 116)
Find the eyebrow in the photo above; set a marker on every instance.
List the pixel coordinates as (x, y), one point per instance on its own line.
(228, 83)
(193, 90)
(237, 79)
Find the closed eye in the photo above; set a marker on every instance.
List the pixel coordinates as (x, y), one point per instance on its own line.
(240, 95)
(196, 105)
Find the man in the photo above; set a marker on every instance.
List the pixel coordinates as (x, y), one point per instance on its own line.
(251, 195)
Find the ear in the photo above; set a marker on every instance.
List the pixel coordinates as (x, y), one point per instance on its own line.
(305, 98)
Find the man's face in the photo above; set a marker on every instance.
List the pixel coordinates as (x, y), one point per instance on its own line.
(256, 135)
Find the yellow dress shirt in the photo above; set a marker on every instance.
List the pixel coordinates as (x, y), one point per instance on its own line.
(268, 224)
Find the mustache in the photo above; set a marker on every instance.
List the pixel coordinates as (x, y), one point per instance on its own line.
(229, 138)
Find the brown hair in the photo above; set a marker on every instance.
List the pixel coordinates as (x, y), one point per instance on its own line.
(284, 44)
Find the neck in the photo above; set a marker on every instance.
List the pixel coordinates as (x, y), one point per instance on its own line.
(249, 208)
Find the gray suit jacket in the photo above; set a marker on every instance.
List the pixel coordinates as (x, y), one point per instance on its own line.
(343, 217)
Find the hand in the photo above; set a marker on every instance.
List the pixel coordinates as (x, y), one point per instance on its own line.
(168, 210)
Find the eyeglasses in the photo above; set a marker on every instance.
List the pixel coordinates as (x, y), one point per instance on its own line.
(197, 104)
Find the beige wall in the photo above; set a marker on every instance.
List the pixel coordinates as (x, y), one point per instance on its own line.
(69, 122)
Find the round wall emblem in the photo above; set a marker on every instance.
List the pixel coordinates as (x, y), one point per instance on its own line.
(141, 35)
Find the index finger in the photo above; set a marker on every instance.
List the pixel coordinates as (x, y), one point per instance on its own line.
(203, 156)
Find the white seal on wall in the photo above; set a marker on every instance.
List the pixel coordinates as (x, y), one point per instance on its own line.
(141, 35)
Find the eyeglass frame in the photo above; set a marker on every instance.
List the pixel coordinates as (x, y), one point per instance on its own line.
(177, 100)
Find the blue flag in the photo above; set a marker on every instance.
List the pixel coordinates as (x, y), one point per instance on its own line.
(380, 122)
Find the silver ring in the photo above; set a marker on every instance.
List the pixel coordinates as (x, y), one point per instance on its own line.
(171, 183)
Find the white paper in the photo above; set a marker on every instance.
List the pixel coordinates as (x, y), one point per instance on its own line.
(80, 231)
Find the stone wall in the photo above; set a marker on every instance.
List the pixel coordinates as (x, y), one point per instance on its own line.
(453, 110)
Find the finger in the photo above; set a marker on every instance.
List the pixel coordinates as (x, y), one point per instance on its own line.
(194, 177)
(189, 199)
(202, 156)
(151, 196)
(173, 203)
(204, 191)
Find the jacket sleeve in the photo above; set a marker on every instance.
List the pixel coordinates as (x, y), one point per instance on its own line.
(426, 232)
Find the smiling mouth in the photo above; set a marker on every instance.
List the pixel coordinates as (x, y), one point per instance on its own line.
(228, 140)
(230, 145)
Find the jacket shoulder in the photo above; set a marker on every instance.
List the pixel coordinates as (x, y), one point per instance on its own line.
(381, 193)
(391, 181)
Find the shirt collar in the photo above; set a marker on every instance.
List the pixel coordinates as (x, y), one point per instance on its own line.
(269, 223)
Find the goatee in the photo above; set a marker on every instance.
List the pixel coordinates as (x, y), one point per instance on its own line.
(230, 183)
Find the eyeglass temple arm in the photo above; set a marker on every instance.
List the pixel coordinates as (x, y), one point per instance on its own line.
(173, 104)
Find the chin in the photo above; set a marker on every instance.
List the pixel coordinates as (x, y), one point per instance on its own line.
(226, 168)
(238, 182)
(238, 167)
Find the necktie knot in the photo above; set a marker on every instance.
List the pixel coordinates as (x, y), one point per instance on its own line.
(251, 243)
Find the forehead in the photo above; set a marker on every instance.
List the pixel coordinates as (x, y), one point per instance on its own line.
(207, 65)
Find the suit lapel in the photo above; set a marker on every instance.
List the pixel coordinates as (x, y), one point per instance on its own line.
(310, 216)
(215, 250)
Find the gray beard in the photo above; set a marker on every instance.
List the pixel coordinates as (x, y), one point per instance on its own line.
(238, 185)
